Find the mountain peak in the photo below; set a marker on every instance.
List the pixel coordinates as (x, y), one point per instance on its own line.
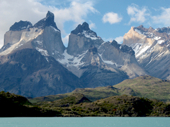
(47, 21)
(127, 49)
(21, 25)
(50, 15)
(141, 26)
(85, 26)
(115, 44)
(80, 28)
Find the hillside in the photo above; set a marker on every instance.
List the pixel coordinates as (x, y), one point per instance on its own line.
(143, 86)
(146, 86)
(112, 106)
(78, 105)
(17, 106)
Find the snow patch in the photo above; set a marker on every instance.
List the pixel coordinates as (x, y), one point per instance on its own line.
(90, 35)
(157, 38)
(138, 31)
(142, 50)
(108, 62)
(161, 41)
(136, 47)
(42, 51)
(70, 60)
(148, 34)
(156, 57)
(101, 45)
(47, 59)
(39, 43)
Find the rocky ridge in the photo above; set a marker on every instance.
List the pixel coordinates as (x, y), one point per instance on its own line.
(51, 68)
(151, 48)
(86, 49)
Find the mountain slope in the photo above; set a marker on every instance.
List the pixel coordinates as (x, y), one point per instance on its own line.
(34, 61)
(98, 63)
(44, 36)
(27, 60)
(151, 48)
(143, 86)
(35, 76)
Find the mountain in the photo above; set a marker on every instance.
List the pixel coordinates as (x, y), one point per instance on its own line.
(34, 62)
(98, 63)
(44, 36)
(27, 60)
(152, 49)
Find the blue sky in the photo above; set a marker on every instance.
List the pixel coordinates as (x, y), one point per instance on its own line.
(110, 19)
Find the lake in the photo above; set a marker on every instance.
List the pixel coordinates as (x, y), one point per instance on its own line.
(85, 122)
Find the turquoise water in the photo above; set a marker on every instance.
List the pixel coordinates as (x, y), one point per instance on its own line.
(86, 122)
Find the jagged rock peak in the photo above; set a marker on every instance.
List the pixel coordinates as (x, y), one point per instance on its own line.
(47, 21)
(21, 25)
(85, 26)
(123, 48)
(141, 26)
(150, 28)
(115, 44)
(127, 49)
(80, 28)
(50, 15)
(164, 29)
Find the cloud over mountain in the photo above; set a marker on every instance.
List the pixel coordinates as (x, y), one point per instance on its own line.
(112, 18)
(33, 10)
(137, 14)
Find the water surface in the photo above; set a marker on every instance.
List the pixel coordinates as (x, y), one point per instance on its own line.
(85, 122)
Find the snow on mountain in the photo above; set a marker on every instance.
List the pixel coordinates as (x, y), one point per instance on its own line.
(44, 36)
(42, 51)
(90, 35)
(151, 48)
(92, 61)
(23, 37)
(160, 41)
(70, 60)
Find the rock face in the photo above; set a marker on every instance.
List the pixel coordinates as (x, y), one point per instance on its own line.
(28, 73)
(27, 60)
(44, 36)
(99, 63)
(81, 39)
(151, 48)
(34, 61)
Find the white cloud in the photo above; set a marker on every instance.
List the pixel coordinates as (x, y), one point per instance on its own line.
(119, 39)
(112, 18)
(137, 14)
(92, 25)
(32, 10)
(1, 44)
(163, 18)
(65, 40)
(76, 12)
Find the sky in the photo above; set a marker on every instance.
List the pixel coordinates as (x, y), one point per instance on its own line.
(110, 19)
